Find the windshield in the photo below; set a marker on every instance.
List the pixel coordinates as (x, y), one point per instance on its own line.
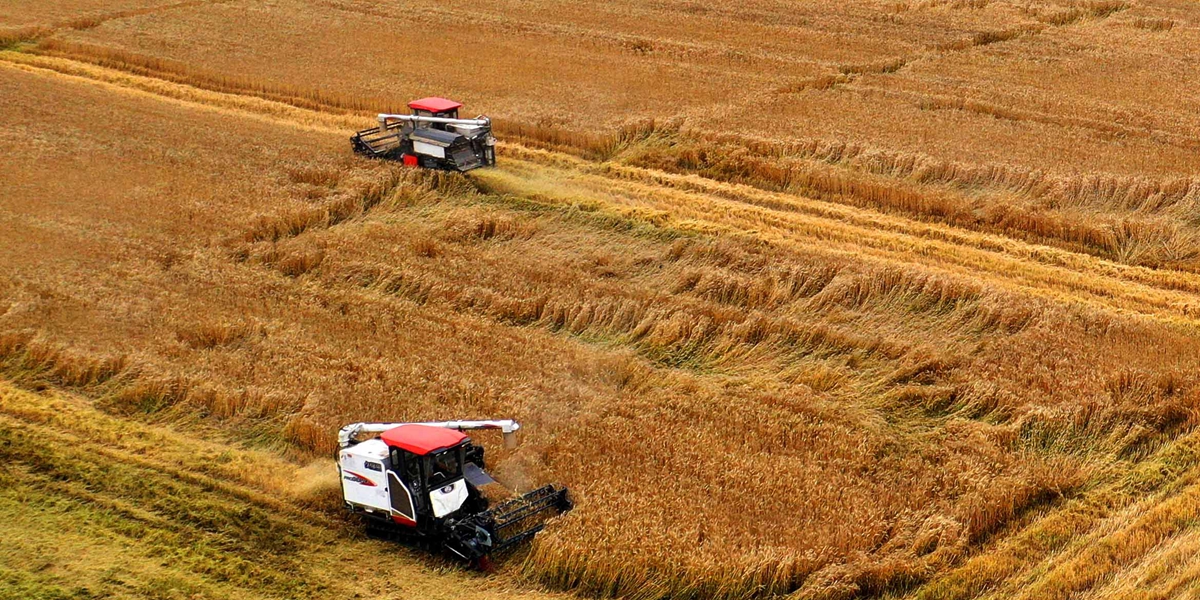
(444, 466)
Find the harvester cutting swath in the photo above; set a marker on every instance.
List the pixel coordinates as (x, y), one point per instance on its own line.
(419, 482)
(432, 137)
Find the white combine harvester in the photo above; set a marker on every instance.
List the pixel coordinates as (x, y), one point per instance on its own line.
(432, 137)
(420, 482)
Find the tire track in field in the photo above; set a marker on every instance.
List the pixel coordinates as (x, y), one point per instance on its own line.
(851, 78)
(969, 104)
(442, 16)
(694, 203)
(33, 32)
(312, 523)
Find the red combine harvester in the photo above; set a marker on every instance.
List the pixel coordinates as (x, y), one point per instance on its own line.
(432, 137)
(419, 482)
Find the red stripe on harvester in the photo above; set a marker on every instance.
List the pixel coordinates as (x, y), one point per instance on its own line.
(363, 480)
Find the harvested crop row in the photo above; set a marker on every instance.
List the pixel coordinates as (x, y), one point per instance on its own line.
(819, 228)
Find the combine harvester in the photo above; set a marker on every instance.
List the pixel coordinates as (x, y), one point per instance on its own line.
(419, 482)
(432, 137)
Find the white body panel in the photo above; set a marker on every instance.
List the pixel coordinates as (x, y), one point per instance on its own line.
(467, 130)
(448, 499)
(428, 149)
(364, 482)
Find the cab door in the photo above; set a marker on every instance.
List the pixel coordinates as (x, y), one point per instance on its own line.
(403, 511)
(404, 486)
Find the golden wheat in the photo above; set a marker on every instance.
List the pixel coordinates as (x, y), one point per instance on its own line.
(765, 361)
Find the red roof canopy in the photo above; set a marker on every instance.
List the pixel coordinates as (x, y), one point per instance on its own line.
(422, 439)
(433, 104)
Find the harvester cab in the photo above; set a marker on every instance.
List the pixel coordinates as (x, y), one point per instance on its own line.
(432, 137)
(435, 107)
(421, 482)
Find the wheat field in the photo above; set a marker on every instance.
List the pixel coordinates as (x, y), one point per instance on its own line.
(839, 300)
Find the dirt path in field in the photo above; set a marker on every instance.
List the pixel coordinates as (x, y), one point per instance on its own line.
(695, 203)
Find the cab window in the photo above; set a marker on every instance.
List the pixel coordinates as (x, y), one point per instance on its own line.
(444, 466)
(412, 468)
(406, 465)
